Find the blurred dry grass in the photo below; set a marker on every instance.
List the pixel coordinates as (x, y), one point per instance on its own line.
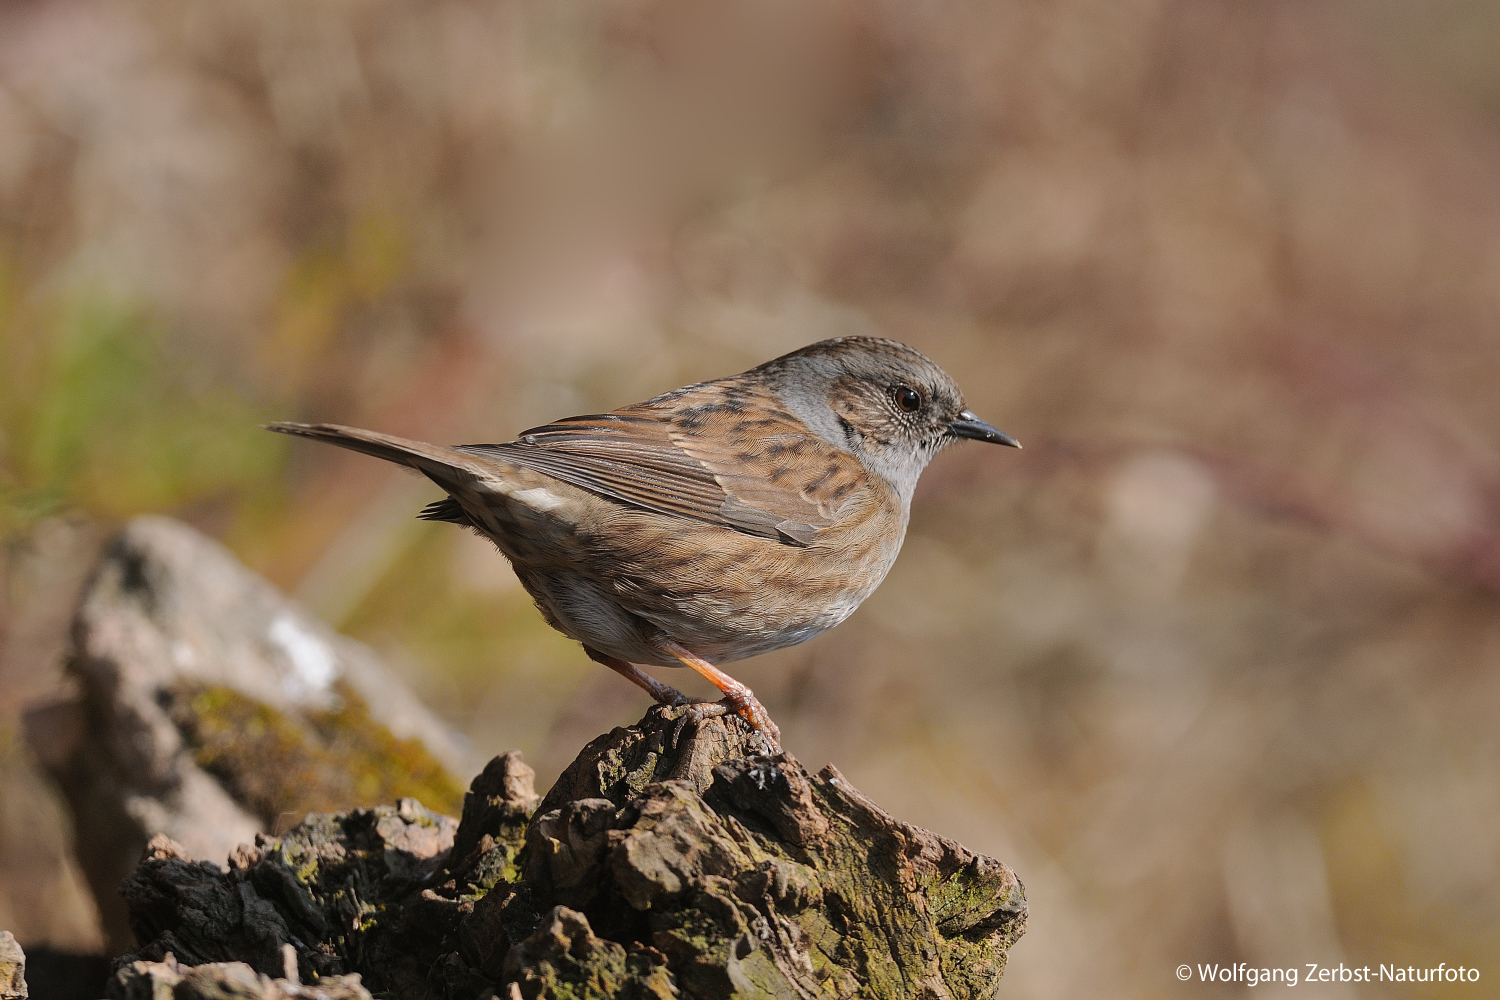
(1215, 662)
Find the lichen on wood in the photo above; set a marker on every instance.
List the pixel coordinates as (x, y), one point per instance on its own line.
(671, 859)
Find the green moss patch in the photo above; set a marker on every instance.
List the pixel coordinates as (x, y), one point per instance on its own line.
(274, 762)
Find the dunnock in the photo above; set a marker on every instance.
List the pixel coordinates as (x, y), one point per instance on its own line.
(714, 522)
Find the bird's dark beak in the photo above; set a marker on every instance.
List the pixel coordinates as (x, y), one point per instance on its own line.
(969, 426)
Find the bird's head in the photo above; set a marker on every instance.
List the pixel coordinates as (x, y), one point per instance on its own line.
(889, 405)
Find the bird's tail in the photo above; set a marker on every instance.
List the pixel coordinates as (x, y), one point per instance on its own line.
(448, 467)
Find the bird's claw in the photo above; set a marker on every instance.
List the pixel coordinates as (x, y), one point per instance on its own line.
(747, 707)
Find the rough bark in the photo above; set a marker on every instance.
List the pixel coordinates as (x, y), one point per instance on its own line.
(670, 860)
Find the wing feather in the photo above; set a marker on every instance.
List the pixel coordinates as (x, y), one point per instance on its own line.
(696, 456)
(628, 459)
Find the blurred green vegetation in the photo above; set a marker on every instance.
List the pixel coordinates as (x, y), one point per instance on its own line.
(99, 414)
(341, 272)
(1384, 909)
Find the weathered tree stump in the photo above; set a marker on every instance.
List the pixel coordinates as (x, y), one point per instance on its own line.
(669, 860)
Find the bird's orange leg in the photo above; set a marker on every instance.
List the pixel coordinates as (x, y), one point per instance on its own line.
(664, 694)
(737, 697)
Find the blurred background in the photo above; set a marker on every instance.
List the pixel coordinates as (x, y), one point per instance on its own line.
(1214, 662)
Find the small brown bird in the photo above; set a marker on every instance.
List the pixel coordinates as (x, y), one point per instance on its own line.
(713, 522)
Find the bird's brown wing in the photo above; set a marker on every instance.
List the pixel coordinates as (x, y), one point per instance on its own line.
(720, 455)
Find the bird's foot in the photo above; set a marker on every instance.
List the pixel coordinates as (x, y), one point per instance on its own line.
(741, 703)
(737, 697)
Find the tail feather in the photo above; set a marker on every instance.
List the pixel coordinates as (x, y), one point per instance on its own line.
(446, 509)
(447, 467)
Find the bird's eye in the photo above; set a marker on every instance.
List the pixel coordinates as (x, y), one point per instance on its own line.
(907, 398)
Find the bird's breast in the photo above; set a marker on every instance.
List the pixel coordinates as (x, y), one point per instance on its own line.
(727, 595)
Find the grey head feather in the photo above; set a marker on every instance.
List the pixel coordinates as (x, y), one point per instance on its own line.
(804, 381)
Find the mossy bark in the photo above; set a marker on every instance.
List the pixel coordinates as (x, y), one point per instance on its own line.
(670, 860)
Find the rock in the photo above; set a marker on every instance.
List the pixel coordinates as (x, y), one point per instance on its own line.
(223, 981)
(12, 968)
(672, 859)
(213, 708)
